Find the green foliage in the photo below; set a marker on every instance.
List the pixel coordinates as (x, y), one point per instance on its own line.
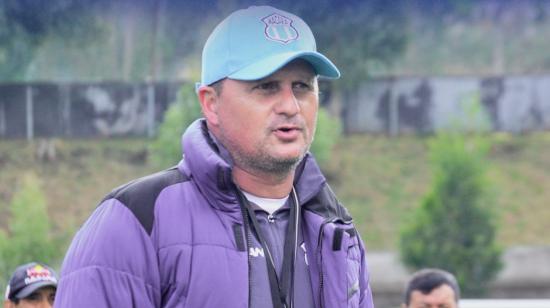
(471, 117)
(25, 25)
(141, 39)
(327, 135)
(356, 35)
(442, 34)
(166, 149)
(30, 236)
(452, 229)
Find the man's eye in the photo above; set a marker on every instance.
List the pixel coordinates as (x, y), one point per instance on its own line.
(33, 297)
(302, 86)
(266, 86)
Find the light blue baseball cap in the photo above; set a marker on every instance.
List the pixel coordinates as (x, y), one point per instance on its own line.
(253, 43)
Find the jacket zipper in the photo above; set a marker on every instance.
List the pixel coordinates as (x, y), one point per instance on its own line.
(248, 245)
(298, 218)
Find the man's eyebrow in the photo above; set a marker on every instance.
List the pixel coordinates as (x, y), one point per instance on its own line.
(300, 77)
(266, 79)
(310, 78)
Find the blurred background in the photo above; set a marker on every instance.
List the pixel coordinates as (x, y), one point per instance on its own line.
(436, 138)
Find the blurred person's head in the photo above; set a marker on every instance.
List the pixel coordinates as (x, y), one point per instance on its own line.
(31, 285)
(431, 288)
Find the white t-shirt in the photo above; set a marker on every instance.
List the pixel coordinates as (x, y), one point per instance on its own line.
(267, 204)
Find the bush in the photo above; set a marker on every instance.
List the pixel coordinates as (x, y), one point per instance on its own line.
(328, 131)
(29, 237)
(166, 149)
(452, 228)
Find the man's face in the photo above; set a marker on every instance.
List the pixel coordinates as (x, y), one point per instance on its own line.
(268, 125)
(41, 298)
(440, 297)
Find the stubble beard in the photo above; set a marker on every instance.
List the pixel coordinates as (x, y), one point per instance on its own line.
(260, 160)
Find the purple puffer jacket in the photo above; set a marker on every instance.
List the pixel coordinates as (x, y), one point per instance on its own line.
(176, 239)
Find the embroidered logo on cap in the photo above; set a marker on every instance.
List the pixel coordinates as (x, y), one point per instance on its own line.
(38, 273)
(279, 28)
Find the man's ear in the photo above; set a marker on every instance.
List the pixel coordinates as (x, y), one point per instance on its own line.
(209, 100)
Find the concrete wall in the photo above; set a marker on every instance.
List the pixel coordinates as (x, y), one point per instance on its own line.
(390, 106)
(421, 105)
(525, 274)
(83, 110)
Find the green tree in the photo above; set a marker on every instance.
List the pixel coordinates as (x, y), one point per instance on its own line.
(161, 39)
(452, 229)
(166, 148)
(29, 236)
(25, 24)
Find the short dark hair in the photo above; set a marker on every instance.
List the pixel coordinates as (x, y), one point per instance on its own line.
(218, 85)
(426, 280)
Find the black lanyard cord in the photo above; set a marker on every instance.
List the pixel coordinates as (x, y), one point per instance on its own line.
(280, 288)
(290, 249)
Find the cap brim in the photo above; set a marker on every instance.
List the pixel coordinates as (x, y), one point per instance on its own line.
(28, 290)
(267, 66)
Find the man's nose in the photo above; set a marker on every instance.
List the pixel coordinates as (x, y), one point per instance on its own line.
(288, 103)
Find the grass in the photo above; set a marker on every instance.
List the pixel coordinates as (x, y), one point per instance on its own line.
(380, 180)
(82, 173)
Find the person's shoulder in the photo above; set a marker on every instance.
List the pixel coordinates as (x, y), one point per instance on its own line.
(140, 195)
(148, 185)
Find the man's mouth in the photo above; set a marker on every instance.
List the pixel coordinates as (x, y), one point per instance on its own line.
(287, 128)
(287, 132)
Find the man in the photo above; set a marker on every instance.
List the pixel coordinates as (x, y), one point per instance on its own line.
(31, 285)
(432, 288)
(246, 219)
